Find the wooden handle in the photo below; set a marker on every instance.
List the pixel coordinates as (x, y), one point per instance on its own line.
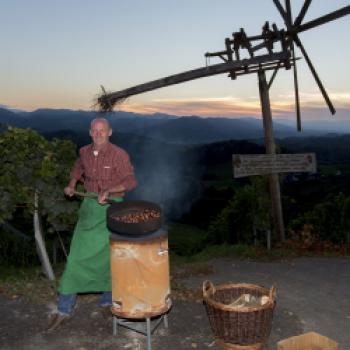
(83, 194)
(208, 287)
(272, 293)
(93, 196)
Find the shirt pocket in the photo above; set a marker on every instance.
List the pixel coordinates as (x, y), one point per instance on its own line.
(107, 172)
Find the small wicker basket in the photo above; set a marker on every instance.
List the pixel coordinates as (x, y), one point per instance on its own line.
(239, 328)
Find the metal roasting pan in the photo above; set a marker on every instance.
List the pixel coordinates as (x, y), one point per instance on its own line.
(133, 229)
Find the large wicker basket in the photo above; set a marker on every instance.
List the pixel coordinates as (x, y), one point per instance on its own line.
(239, 328)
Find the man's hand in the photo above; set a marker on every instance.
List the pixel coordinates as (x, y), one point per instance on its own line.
(102, 197)
(69, 191)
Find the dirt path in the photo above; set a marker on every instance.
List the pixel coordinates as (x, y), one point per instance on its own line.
(313, 294)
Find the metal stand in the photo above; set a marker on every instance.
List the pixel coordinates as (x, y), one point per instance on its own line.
(127, 323)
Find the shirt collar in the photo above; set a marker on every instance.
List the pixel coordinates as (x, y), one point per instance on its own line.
(102, 150)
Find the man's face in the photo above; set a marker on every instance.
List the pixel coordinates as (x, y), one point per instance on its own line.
(100, 133)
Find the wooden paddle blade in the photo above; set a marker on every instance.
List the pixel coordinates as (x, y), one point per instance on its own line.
(315, 75)
(302, 13)
(288, 14)
(296, 90)
(280, 9)
(289, 24)
(344, 11)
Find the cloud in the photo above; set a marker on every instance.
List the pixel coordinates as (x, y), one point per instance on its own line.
(281, 105)
(223, 106)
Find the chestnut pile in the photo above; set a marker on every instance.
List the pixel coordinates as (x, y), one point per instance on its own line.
(139, 216)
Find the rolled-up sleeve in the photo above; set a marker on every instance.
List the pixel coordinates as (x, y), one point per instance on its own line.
(77, 170)
(125, 172)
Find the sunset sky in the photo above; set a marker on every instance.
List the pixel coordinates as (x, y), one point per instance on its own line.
(56, 54)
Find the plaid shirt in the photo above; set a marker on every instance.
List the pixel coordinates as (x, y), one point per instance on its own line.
(109, 168)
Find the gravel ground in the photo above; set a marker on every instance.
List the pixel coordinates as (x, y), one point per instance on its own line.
(313, 294)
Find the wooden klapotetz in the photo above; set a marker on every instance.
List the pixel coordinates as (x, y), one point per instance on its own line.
(272, 49)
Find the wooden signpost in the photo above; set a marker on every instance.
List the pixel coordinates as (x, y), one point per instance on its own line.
(272, 165)
(265, 164)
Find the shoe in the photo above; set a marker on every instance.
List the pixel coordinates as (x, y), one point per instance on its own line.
(56, 322)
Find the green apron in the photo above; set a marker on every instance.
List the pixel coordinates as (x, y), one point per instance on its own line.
(88, 266)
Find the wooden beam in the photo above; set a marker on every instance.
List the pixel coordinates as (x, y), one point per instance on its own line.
(257, 67)
(275, 192)
(273, 75)
(191, 75)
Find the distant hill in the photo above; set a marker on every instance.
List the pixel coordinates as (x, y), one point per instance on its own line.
(161, 127)
(8, 117)
(193, 129)
(50, 120)
(171, 154)
(328, 148)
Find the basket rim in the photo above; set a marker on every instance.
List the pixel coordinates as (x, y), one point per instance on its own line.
(270, 304)
(231, 346)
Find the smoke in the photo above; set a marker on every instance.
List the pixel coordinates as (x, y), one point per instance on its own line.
(167, 174)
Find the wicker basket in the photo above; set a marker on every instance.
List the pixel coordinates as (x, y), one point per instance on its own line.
(239, 328)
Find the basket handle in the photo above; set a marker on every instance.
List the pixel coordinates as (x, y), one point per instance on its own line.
(208, 287)
(272, 294)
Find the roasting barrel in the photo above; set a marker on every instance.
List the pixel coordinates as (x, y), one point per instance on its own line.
(139, 267)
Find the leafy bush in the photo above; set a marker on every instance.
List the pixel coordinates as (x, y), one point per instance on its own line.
(32, 165)
(330, 219)
(248, 211)
(185, 240)
(16, 251)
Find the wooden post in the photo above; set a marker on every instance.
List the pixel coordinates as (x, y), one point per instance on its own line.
(275, 192)
(40, 241)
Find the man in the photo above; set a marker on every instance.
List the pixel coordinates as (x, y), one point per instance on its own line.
(105, 170)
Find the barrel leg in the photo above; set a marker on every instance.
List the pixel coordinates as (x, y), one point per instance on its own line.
(148, 323)
(115, 325)
(165, 320)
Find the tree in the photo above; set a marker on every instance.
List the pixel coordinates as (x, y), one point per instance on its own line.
(247, 212)
(329, 219)
(34, 172)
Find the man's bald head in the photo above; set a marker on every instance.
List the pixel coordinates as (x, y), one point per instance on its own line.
(100, 120)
